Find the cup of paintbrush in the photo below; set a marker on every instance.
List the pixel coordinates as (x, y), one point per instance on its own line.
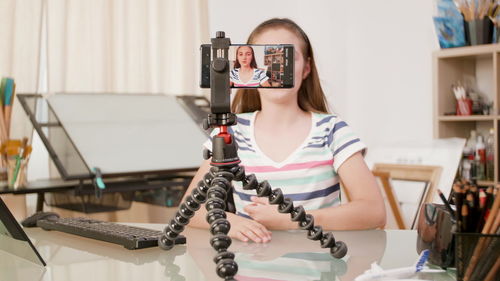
(12, 151)
(13, 163)
(477, 23)
(479, 31)
(21, 178)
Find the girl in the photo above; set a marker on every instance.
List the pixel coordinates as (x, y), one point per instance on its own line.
(245, 72)
(287, 136)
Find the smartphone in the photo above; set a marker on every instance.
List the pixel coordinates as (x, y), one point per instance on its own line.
(253, 66)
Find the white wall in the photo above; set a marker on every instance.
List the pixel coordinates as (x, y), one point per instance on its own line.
(374, 57)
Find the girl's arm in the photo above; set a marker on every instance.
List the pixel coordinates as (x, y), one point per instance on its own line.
(366, 209)
(241, 228)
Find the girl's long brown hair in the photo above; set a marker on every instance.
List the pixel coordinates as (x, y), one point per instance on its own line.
(310, 95)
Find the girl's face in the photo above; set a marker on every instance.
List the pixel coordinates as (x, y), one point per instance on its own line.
(302, 65)
(245, 56)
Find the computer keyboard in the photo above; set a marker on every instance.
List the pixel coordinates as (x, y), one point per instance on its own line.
(129, 236)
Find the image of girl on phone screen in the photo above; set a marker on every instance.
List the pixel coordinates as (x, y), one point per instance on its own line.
(289, 138)
(245, 72)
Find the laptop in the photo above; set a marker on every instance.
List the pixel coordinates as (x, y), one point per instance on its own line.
(14, 240)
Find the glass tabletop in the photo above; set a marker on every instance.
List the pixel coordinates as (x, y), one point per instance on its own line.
(289, 256)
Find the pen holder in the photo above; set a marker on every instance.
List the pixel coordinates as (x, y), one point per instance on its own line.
(16, 172)
(464, 107)
(479, 31)
(477, 256)
(435, 233)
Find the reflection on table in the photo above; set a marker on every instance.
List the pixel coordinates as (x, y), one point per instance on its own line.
(289, 256)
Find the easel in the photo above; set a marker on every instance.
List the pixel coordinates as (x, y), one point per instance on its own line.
(418, 173)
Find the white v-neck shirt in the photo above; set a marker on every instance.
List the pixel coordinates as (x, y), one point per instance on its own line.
(308, 175)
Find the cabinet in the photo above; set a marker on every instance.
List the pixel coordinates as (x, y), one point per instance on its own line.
(456, 64)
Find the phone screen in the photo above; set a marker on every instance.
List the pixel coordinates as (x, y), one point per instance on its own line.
(254, 66)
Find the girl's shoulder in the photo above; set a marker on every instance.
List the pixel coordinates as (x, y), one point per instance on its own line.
(243, 127)
(259, 72)
(328, 125)
(244, 121)
(233, 74)
(245, 118)
(321, 119)
(246, 114)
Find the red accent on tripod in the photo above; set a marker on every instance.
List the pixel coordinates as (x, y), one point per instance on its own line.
(223, 133)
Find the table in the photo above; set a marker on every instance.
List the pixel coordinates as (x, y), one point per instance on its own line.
(40, 187)
(289, 256)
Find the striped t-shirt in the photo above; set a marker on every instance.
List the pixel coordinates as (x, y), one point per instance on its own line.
(259, 76)
(309, 175)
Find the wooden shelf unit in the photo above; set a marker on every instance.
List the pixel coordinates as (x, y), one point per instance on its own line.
(271, 59)
(467, 118)
(451, 65)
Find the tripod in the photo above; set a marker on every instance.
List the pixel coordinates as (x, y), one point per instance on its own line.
(213, 189)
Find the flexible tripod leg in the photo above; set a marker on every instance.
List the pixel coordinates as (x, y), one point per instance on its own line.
(185, 212)
(219, 226)
(338, 249)
(212, 189)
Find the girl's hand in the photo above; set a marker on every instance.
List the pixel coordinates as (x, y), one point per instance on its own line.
(261, 211)
(246, 229)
